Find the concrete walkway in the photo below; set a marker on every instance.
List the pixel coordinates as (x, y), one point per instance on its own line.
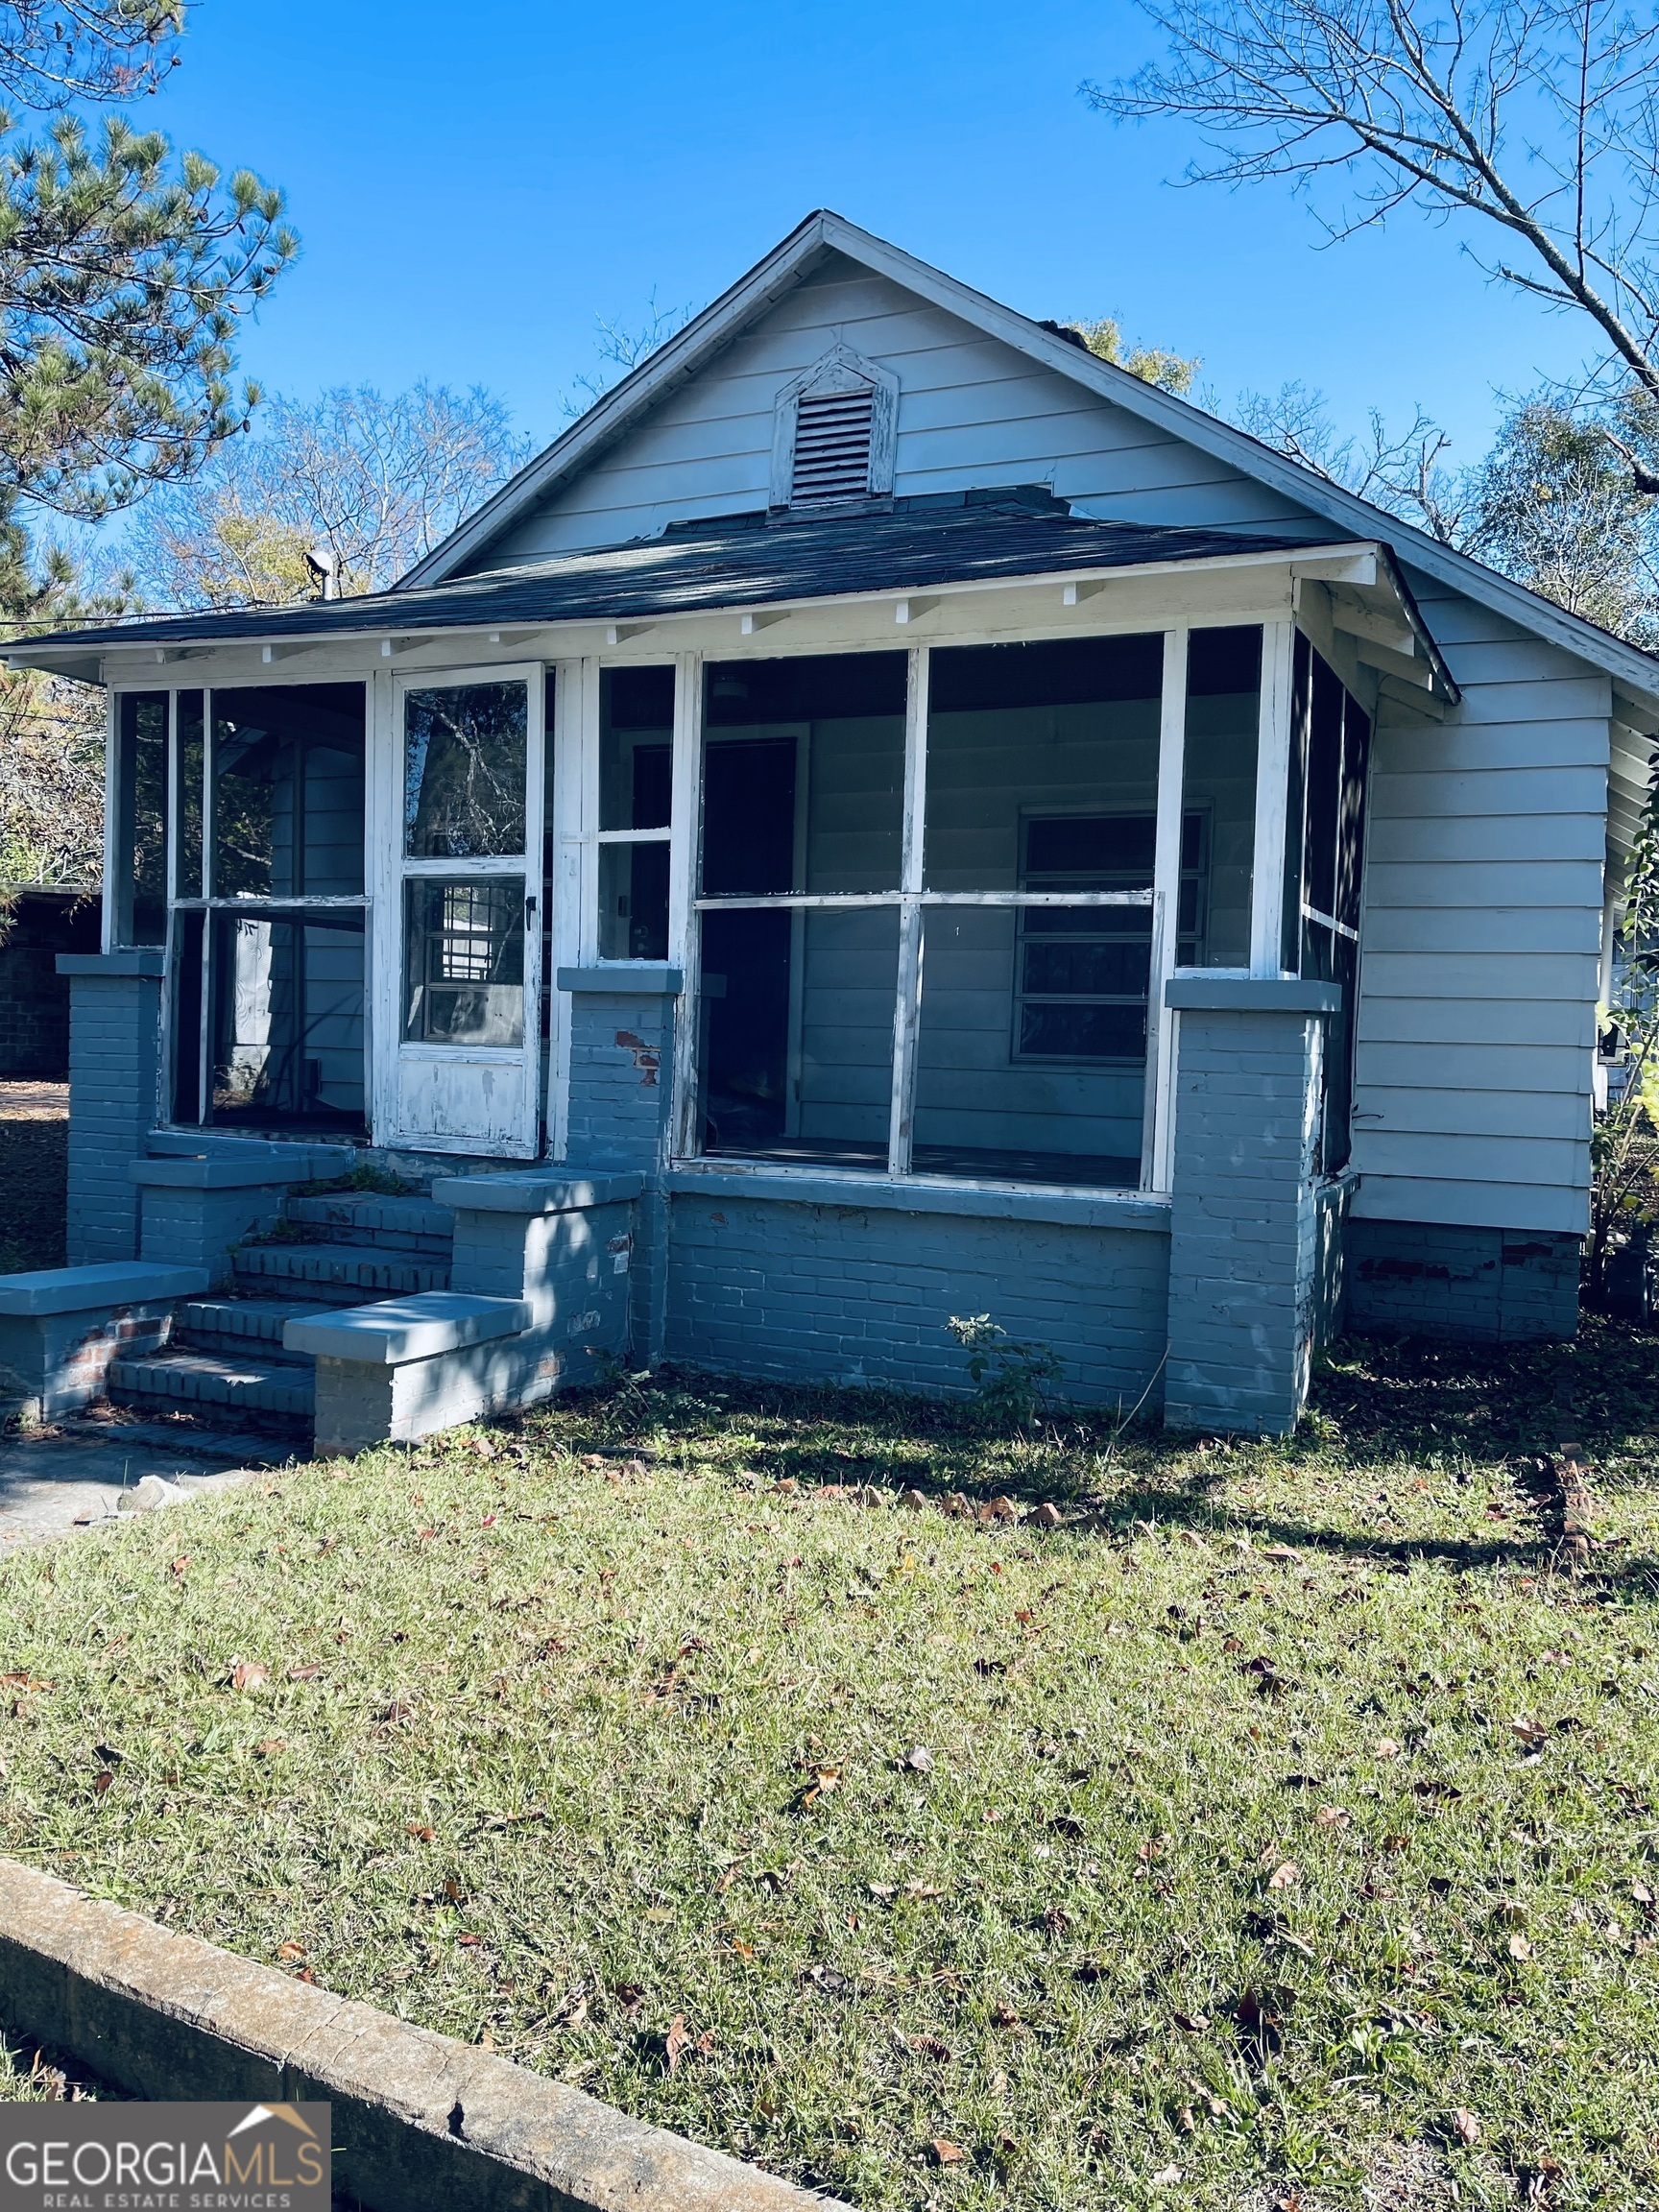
(76, 1474)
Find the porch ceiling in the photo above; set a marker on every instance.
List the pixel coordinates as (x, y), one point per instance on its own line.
(743, 561)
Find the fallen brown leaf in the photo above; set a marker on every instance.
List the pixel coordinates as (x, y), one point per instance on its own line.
(947, 2154)
(1285, 1876)
(1468, 2128)
(677, 2042)
(249, 1674)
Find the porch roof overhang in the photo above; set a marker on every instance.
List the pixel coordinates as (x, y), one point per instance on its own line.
(754, 562)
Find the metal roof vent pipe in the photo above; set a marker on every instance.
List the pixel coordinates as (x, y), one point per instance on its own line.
(324, 564)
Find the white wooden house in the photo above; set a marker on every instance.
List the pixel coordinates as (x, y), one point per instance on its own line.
(889, 816)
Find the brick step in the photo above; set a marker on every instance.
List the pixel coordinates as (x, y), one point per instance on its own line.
(192, 1379)
(335, 1274)
(240, 1326)
(413, 1225)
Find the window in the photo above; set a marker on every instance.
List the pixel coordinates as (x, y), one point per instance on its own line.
(964, 989)
(834, 433)
(635, 791)
(1325, 843)
(463, 771)
(1083, 971)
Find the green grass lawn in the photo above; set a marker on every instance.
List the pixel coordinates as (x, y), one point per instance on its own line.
(1281, 1821)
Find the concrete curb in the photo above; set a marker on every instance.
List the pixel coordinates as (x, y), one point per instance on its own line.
(420, 2120)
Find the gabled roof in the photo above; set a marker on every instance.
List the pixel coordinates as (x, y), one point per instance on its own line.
(719, 324)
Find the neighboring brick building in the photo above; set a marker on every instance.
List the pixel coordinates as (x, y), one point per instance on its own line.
(34, 998)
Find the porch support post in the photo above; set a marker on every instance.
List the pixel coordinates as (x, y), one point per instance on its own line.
(114, 1094)
(1244, 1227)
(622, 1047)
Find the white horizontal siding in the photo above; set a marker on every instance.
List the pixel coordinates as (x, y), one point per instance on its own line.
(1453, 1065)
(1447, 931)
(1509, 1113)
(1481, 938)
(1489, 973)
(1554, 1207)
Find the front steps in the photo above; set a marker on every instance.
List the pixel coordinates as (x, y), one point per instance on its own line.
(225, 1354)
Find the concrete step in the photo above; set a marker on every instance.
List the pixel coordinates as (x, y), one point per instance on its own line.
(413, 1225)
(335, 1274)
(240, 1326)
(194, 1378)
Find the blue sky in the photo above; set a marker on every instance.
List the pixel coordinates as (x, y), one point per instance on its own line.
(474, 186)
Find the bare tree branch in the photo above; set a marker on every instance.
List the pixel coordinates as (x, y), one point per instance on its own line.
(1538, 117)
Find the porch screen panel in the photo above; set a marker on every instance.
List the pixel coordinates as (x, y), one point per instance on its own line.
(635, 787)
(141, 872)
(803, 808)
(268, 1032)
(189, 795)
(288, 770)
(286, 1034)
(1041, 815)
(1324, 871)
(1219, 798)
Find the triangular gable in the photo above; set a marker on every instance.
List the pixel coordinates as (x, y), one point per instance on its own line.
(720, 326)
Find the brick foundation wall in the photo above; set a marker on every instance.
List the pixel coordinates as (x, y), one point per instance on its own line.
(774, 1290)
(1479, 1286)
(34, 998)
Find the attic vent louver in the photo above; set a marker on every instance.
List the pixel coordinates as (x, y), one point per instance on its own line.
(833, 445)
(834, 431)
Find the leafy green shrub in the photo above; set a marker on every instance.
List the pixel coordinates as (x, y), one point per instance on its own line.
(1011, 1378)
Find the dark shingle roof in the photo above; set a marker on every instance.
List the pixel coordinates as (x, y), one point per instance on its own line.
(742, 562)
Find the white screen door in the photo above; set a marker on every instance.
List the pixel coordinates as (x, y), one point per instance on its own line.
(468, 923)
